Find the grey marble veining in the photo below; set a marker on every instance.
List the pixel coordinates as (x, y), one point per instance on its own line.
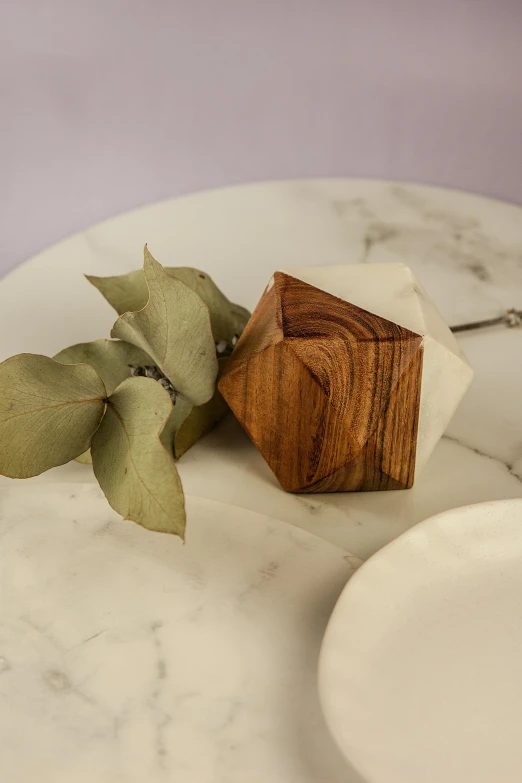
(129, 656)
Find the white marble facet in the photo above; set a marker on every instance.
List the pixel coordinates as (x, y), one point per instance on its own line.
(419, 673)
(127, 656)
(391, 291)
(466, 251)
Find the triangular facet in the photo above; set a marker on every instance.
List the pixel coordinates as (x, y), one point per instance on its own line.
(387, 460)
(287, 415)
(386, 290)
(356, 476)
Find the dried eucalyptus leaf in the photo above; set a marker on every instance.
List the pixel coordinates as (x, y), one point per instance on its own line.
(189, 425)
(199, 421)
(85, 458)
(134, 469)
(174, 329)
(179, 413)
(111, 358)
(227, 319)
(48, 413)
(128, 293)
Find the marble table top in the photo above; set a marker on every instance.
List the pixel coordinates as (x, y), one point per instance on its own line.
(129, 657)
(466, 250)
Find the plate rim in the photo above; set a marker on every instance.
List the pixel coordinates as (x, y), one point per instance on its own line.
(407, 537)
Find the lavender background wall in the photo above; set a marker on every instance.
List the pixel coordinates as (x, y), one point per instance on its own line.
(109, 104)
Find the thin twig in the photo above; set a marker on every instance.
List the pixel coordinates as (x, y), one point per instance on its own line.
(510, 318)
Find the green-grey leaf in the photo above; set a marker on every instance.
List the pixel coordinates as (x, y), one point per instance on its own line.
(48, 413)
(111, 358)
(128, 293)
(227, 319)
(85, 458)
(178, 414)
(200, 420)
(136, 472)
(174, 330)
(188, 423)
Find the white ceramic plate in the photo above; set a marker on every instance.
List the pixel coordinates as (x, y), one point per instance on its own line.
(126, 656)
(421, 665)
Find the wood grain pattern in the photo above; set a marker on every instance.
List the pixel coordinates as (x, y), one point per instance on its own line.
(328, 392)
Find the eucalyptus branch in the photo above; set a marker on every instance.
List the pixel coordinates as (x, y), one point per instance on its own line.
(133, 405)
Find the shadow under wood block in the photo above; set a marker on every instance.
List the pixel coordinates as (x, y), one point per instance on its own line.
(331, 392)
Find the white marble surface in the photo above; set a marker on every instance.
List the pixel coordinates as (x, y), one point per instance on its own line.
(97, 706)
(128, 657)
(466, 250)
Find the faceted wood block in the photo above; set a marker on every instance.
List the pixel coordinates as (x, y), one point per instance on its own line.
(330, 392)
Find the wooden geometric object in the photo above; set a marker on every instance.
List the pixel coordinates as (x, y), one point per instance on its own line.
(328, 391)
